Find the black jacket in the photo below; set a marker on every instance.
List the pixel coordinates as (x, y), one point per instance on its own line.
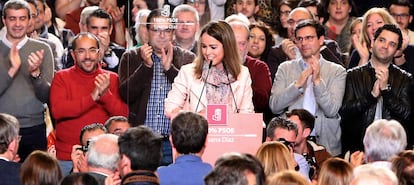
(359, 105)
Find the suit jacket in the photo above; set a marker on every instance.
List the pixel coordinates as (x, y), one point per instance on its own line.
(99, 177)
(9, 172)
(328, 94)
(186, 91)
(136, 78)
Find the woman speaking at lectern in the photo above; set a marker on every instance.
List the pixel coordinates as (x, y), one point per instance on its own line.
(215, 77)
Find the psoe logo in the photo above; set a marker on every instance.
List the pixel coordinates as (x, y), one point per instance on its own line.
(165, 11)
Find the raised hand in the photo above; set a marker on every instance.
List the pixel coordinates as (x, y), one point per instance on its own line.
(381, 73)
(104, 40)
(102, 82)
(35, 61)
(288, 48)
(301, 81)
(146, 52)
(362, 50)
(167, 57)
(15, 61)
(75, 156)
(117, 13)
(314, 64)
(375, 89)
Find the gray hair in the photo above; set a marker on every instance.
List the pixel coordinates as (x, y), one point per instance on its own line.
(9, 130)
(383, 139)
(86, 12)
(186, 8)
(369, 172)
(238, 18)
(142, 13)
(104, 152)
(239, 21)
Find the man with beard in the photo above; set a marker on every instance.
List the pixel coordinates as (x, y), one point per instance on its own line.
(81, 95)
(249, 8)
(376, 90)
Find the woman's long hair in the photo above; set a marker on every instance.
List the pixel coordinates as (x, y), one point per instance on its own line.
(222, 32)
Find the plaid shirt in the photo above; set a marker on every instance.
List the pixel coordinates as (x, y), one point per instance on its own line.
(156, 119)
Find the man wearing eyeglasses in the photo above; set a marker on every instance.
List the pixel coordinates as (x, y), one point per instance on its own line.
(401, 10)
(287, 50)
(146, 75)
(312, 83)
(99, 23)
(81, 95)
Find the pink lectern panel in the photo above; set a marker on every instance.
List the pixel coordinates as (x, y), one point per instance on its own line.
(242, 133)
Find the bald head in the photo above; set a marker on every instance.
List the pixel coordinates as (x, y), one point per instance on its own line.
(295, 16)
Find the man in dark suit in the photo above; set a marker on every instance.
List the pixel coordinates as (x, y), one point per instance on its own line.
(9, 144)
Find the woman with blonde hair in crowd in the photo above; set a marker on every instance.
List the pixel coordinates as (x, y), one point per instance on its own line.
(40, 168)
(216, 76)
(373, 19)
(289, 177)
(335, 171)
(275, 157)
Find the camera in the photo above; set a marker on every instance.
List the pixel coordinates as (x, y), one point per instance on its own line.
(85, 148)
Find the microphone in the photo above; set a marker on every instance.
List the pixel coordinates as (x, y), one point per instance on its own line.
(231, 89)
(204, 86)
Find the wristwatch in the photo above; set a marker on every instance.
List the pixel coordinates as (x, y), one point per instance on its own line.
(108, 53)
(387, 88)
(35, 77)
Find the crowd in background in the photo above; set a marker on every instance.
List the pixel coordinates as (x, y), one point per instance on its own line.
(115, 92)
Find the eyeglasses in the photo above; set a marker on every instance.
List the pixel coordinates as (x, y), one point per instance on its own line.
(91, 51)
(307, 38)
(19, 138)
(196, 2)
(401, 16)
(284, 13)
(292, 22)
(288, 144)
(159, 31)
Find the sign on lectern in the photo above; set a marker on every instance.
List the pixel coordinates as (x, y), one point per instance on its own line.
(231, 132)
